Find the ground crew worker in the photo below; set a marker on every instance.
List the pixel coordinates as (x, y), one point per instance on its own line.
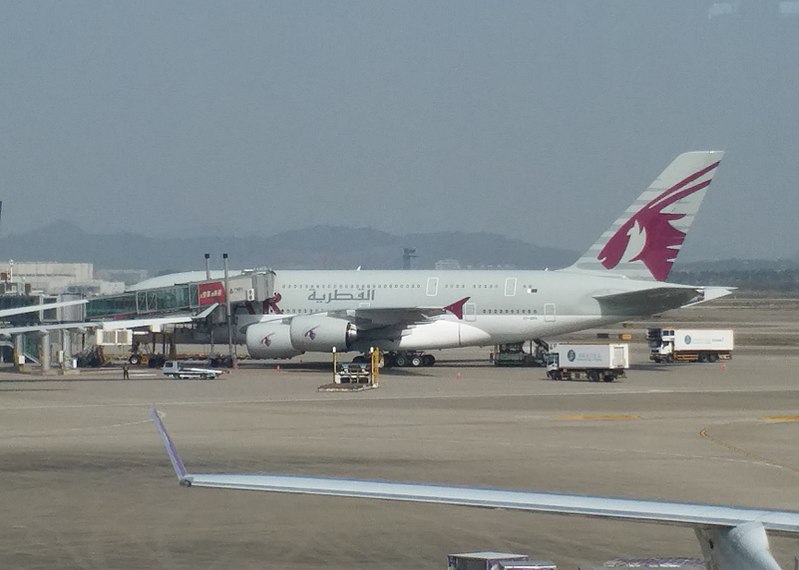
(125, 371)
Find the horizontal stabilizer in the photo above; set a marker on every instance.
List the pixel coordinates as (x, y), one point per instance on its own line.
(648, 301)
(711, 293)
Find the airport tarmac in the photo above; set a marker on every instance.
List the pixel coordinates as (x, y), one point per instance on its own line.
(87, 484)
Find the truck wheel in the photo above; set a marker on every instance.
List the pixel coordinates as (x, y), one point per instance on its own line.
(702, 357)
(134, 359)
(609, 378)
(713, 357)
(592, 376)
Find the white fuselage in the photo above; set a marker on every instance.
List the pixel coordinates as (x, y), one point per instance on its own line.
(502, 306)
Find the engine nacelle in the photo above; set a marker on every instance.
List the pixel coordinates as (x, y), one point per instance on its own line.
(437, 334)
(270, 340)
(322, 334)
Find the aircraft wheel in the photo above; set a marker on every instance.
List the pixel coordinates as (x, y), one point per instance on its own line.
(400, 360)
(428, 360)
(416, 361)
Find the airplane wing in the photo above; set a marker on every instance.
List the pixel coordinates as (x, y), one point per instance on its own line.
(372, 317)
(152, 323)
(738, 532)
(41, 307)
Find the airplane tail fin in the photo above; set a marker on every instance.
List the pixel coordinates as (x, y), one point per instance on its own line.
(644, 242)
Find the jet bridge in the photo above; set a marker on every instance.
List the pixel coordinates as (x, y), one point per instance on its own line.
(249, 288)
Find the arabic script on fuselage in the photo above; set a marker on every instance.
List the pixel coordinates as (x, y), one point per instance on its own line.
(338, 295)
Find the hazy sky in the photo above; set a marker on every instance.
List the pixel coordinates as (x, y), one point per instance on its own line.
(537, 120)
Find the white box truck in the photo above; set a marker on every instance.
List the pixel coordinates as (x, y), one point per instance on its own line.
(594, 362)
(689, 345)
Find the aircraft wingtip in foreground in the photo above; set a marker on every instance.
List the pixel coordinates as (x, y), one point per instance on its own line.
(731, 538)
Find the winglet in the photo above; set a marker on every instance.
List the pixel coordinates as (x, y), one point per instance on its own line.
(456, 308)
(177, 463)
(206, 312)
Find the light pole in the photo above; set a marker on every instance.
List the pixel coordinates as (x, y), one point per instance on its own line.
(234, 362)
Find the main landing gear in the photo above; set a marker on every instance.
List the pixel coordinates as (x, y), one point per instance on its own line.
(404, 358)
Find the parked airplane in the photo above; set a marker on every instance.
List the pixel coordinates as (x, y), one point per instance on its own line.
(731, 538)
(621, 276)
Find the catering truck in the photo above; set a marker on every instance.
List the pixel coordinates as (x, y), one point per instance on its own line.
(689, 345)
(594, 362)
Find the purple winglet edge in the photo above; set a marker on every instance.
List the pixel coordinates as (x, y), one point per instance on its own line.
(177, 463)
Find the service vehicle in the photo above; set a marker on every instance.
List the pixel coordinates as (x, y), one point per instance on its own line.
(174, 369)
(593, 362)
(496, 561)
(515, 354)
(690, 345)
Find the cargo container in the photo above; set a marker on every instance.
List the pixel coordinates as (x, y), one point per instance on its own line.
(593, 362)
(689, 345)
(483, 560)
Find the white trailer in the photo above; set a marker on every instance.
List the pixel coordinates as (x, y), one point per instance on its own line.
(594, 362)
(173, 369)
(690, 345)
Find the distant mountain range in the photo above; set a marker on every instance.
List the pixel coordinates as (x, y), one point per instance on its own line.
(318, 247)
(332, 247)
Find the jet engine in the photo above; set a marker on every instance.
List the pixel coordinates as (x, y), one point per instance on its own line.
(322, 334)
(270, 340)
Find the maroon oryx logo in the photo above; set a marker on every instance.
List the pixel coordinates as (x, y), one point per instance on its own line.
(310, 334)
(267, 340)
(271, 304)
(649, 235)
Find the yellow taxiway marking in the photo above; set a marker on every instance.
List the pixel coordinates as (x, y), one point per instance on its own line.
(600, 417)
(781, 418)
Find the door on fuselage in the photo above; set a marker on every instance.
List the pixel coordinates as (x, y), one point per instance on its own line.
(549, 312)
(470, 311)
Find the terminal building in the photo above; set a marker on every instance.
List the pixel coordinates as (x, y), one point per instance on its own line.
(54, 278)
